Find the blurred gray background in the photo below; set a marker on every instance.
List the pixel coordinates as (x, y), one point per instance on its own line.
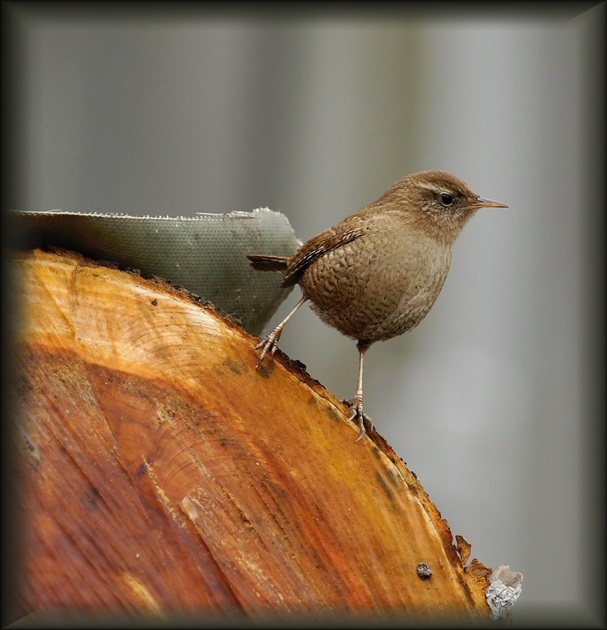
(316, 114)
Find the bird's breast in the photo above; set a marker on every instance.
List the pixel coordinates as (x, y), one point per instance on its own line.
(378, 286)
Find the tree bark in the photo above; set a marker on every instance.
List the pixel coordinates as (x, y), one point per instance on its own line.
(160, 472)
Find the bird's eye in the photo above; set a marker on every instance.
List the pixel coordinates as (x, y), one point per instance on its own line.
(446, 199)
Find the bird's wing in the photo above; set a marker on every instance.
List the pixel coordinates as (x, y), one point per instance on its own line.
(319, 245)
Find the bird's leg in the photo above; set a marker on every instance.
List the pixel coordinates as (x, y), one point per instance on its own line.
(356, 404)
(268, 344)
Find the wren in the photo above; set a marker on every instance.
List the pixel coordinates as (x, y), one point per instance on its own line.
(376, 274)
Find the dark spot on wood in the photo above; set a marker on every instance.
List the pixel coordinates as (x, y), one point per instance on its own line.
(234, 366)
(333, 414)
(382, 482)
(30, 449)
(91, 499)
(265, 371)
(424, 571)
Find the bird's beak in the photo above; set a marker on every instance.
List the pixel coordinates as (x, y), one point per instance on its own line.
(487, 203)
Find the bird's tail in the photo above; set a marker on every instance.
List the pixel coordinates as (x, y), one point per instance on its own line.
(262, 262)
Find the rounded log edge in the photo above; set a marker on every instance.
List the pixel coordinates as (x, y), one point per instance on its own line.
(160, 472)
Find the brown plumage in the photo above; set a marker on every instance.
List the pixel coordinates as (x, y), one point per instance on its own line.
(376, 274)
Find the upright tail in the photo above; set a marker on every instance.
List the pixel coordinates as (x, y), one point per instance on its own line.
(262, 262)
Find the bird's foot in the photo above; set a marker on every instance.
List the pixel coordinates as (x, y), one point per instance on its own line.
(360, 417)
(268, 346)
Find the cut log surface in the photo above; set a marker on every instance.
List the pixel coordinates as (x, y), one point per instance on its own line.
(161, 472)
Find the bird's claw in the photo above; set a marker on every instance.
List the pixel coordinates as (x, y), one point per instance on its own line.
(267, 345)
(360, 417)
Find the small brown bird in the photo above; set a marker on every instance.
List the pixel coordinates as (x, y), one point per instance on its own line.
(377, 273)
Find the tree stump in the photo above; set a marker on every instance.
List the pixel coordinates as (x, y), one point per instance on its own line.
(160, 472)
